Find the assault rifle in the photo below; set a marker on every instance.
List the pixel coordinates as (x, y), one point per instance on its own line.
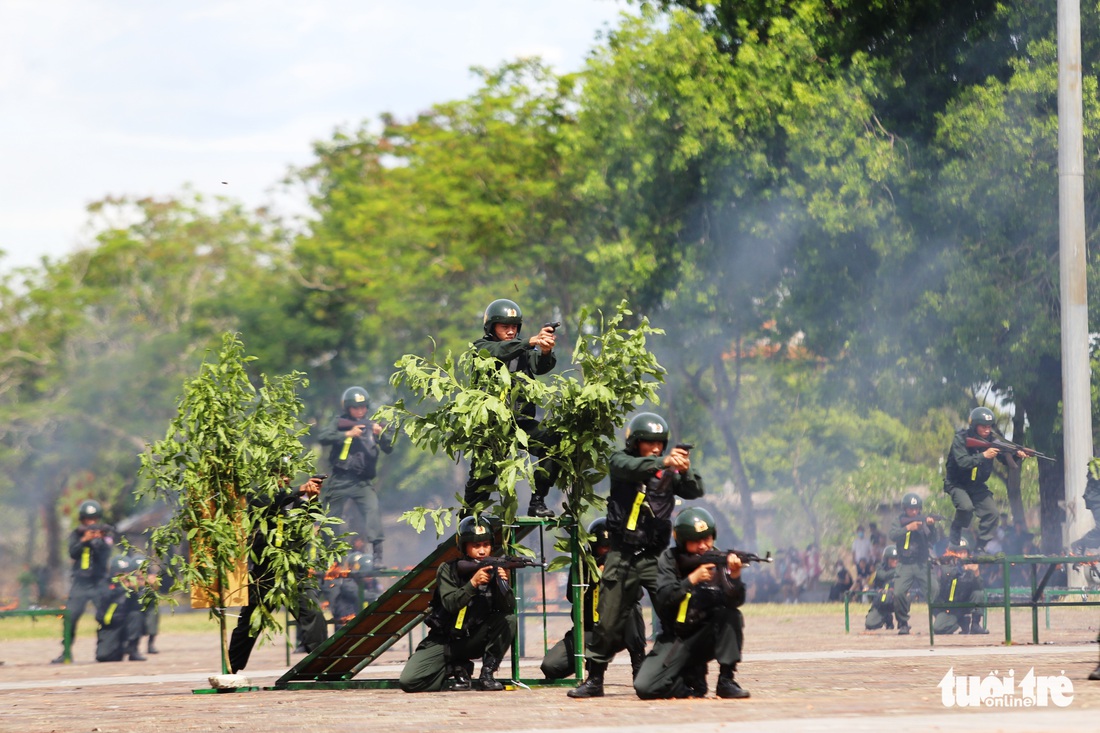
(97, 530)
(467, 567)
(718, 558)
(344, 424)
(1006, 447)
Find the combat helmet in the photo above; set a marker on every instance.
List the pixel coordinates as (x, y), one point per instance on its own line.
(355, 397)
(693, 523)
(90, 509)
(645, 426)
(502, 311)
(473, 529)
(981, 416)
(890, 552)
(911, 500)
(121, 564)
(598, 528)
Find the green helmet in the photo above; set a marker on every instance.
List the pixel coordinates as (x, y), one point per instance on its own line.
(355, 397)
(694, 523)
(90, 509)
(911, 500)
(502, 311)
(598, 527)
(890, 552)
(473, 529)
(981, 416)
(645, 426)
(120, 565)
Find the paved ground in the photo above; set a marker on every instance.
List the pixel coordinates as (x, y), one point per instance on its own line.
(805, 674)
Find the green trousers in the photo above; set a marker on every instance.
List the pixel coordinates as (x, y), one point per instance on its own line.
(429, 666)
(662, 674)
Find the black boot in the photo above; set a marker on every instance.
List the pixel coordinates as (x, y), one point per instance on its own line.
(727, 686)
(538, 508)
(63, 659)
(151, 647)
(695, 678)
(460, 678)
(1095, 674)
(488, 666)
(593, 684)
(377, 559)
(976, 625)
(903, 629)
(135, 654)
(636, 659)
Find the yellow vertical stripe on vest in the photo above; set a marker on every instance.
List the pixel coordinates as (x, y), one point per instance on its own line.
(885, 590)
(595, 604)
(347, 449)
(632, 521)
(85, 558)
(461, 618)
(110, 614)
(951, 595)
(682, 613)
(907, 540)
(974, 474)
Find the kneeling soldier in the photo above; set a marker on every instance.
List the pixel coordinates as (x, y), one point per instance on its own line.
(697, 603)
(472, 615)
(961, 584)
(118, 612)
(881, 612)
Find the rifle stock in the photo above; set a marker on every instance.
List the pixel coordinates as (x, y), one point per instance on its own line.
(1006, 447)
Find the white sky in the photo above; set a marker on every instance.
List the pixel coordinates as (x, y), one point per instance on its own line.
(139, 97)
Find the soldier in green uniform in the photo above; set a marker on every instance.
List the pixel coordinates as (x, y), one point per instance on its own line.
(470, 617)
(698, 604)
(558, 662)
(354, 443)
(962, 583)
(913, 534)
(881, 612)
(965, 475)
(90, 548)
(501, 323)
(644, 487)
(118, 612)
(1091, 539)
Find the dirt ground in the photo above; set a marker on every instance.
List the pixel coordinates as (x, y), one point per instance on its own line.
(803, 670)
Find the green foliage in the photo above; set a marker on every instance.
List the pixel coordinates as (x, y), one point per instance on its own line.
(467, 408)
(232, 449)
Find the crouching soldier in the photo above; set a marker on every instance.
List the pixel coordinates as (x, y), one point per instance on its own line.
(962, 583)
(472, 615)
(881, 612)
(697, 602)
(118, 612)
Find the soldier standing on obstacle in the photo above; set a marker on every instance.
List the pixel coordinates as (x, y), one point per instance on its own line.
(354, 442)
(644, 487)
(501, 324)
(965, 476)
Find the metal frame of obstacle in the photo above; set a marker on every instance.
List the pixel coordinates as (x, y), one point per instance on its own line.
(402, 607)
(1035, 601)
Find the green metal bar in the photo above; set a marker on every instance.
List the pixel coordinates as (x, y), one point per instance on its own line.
(1007, 601)
(576, 573)
(847, 626)
(931, 608)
